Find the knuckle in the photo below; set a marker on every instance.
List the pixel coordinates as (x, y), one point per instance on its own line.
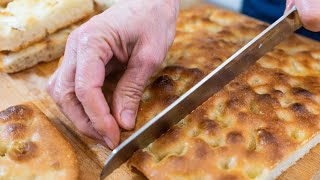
(85, 37)
(150, 60)
(67, 98)
(132, 92)
(82, 127)
(73, 36)
(81, 91)
(99, 128)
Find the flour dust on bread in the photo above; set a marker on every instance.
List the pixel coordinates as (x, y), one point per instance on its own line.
(32, 148)
(256, 127)
(51, 48)
(24, 22)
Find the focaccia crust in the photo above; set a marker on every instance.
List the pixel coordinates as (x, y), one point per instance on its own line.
(32, 148)
(24, 22)
(254, 128)
(51, 48)
(4, 2)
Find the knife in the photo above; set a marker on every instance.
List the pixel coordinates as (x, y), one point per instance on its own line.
(212, 83)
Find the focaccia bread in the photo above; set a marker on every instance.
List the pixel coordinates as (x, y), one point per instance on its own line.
(32, 148)
(203, 41)
(24, 22)
(4, 2)
(256, 127)
(102, 5)
(49, 49)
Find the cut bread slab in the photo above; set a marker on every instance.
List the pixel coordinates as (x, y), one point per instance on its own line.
(256, 127)
(104, 4)
(24, 22)
(4, 2)
(32, 148)
(47, 50)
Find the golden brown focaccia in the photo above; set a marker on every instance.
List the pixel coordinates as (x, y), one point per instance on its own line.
(4, 2)
(24, 22)
(254, 128)
(32, 148)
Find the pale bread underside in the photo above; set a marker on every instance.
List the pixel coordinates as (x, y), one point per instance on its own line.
(47, 50)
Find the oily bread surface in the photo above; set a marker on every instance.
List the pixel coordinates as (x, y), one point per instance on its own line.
(24, 22)
(248, 128)
(205, 37)
(32, 148)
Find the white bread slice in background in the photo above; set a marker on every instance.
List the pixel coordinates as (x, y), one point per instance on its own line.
(102, 5)
(47, 50)
(4, 2)
(24, 22)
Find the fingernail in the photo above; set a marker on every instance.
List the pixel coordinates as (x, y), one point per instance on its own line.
(128, 118)
(109, 142)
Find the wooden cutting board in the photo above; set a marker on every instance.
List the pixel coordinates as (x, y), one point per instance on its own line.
(29, 85)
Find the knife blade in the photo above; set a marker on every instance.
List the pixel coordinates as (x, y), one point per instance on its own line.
(209, 85)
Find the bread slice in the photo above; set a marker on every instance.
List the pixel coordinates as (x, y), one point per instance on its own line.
(49, 49)
(24, 22)
(32, 148)
(256, 127)
(4, 2)
(104, 4)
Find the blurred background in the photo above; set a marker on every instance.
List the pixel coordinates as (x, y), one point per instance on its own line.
(234, 5)
(265, 10)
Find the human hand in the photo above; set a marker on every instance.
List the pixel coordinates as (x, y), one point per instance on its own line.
(309, 11)
(137, 33)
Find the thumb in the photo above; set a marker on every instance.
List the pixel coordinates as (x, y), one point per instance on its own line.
(290, 4)
(128, 92)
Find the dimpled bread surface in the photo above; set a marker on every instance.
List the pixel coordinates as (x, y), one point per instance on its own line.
(254, 128)
(32, 148)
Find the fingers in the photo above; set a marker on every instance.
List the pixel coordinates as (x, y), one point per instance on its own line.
(93, 53)
(129, 90)
(62, 89)
(309, 13)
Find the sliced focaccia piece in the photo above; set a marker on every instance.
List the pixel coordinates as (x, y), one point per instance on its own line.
(49, 49)
(4, 2)
(24, 22)
(104, 4)
(32, 148)
(256, 127)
